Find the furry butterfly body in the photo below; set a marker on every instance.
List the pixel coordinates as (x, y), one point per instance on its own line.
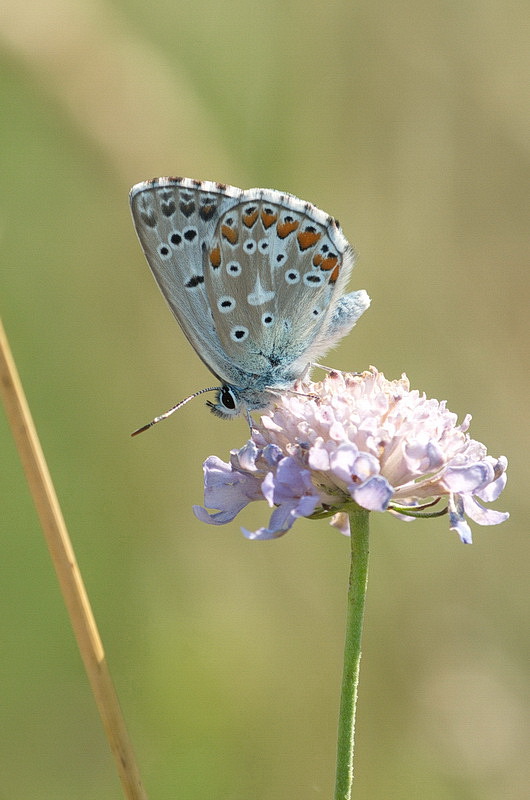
(255, 278)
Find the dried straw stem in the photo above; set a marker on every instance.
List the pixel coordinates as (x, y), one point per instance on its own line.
(68, 573)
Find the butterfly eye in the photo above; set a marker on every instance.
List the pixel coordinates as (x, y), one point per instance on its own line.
(226, 404)
(227, 398)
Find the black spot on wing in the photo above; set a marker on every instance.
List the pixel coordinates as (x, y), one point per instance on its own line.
(194, 281)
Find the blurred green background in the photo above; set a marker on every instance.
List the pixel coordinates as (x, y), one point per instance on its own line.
(408, 121)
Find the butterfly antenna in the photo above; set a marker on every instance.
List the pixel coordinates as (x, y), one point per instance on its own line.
(175, 408)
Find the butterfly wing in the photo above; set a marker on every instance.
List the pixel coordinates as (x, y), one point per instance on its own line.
(175, 219)
(275, 274)
(255, 278)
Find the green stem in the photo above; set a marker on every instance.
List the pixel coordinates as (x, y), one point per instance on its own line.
(352, 653)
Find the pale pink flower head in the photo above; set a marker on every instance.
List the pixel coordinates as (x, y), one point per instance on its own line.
(356, 441)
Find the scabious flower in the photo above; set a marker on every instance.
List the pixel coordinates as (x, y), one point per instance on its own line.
(356, 441)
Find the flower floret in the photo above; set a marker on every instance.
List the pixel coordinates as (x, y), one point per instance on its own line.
(356, 440)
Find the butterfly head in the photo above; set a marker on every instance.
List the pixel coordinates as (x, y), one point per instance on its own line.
(231, 401)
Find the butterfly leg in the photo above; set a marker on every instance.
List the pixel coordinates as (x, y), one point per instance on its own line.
(250, 422)
(323, 367)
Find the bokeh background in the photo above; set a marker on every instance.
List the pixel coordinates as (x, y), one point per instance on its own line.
(408, 121)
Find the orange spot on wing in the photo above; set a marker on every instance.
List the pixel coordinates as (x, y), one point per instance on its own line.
(307, 239)
(250, 219)
(230, 234)
(215, 257)
(335, 274)
(268, 219)
(329, 263)
(318, 258)
(285, 228)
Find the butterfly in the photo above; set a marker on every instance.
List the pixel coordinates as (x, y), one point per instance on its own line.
(255, 278)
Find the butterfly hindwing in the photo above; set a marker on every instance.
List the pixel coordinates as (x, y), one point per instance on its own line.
(275, 266)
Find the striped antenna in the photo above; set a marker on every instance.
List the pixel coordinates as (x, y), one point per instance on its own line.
(175, 408)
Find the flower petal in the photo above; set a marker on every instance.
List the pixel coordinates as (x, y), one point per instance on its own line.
(319, 457)
(456, 519)
(493, 489)
(481, 515)
(245, 458)
(227, 490)
(218, 517)
(282, 519)
(467, 478)
(374, 494)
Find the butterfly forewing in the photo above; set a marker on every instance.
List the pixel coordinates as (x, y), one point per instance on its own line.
(175, 220)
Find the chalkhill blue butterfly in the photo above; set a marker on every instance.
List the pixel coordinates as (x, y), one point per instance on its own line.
(255, 278)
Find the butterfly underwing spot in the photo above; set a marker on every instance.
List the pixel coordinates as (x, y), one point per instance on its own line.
(250, 246)
(167, 203)
(292, 276)
(286, 226)
(268, 217)
(334, 274)
(207, 209)
(308, 237)
(194, 281)
(258, 296)
(263, 245)
(267, 319)
(164, 251)
(250, 215)
(226, 304)
(239, 333)
(312, 279)
(234, 269)
(147, 212)
(215, 257)
(329, 263)
(230, 234)
(175, 238)
(190, 234)
(187, 204)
